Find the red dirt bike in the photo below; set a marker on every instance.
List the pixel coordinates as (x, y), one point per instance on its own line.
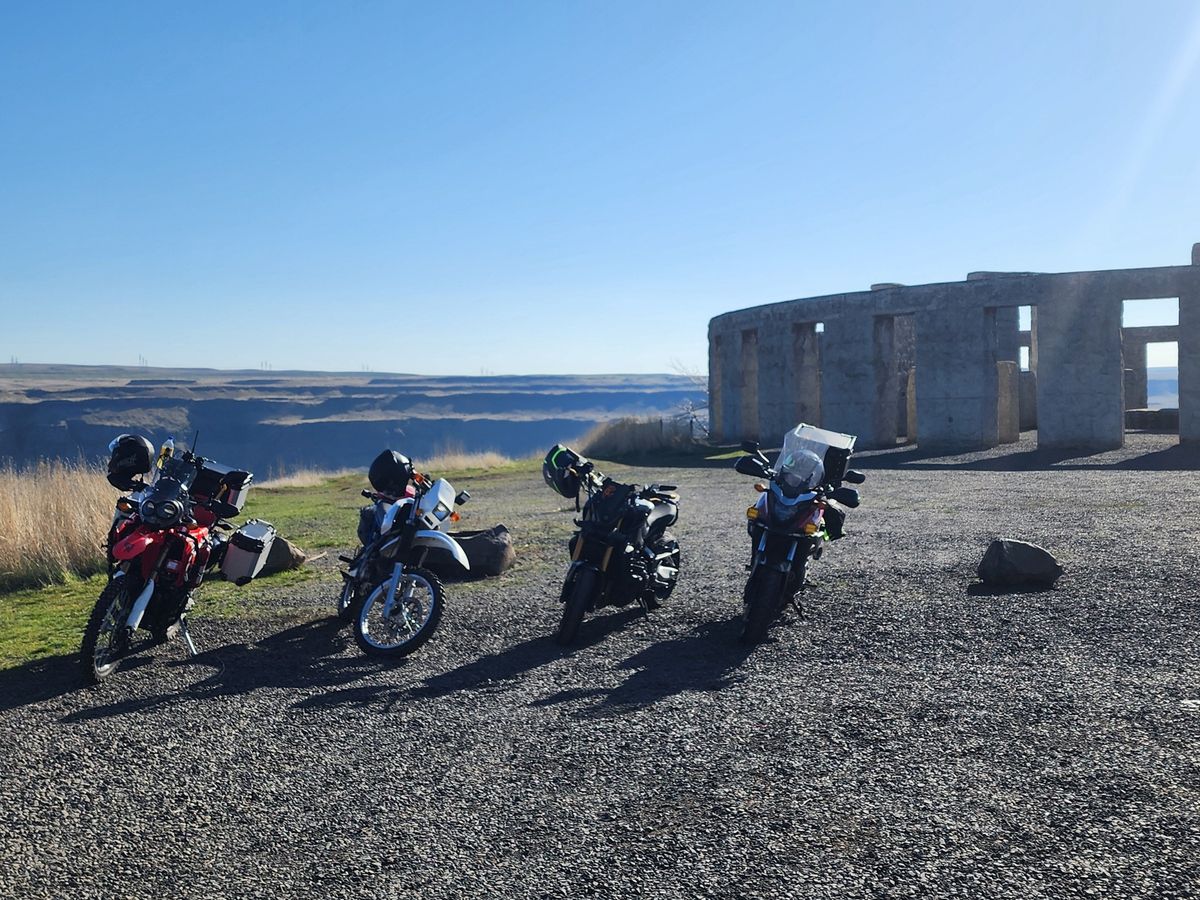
(159, 550)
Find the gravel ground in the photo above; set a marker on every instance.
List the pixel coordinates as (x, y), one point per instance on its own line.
(910, 738)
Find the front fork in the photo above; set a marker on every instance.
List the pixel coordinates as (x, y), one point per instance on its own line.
(389, 600)
(788, 565)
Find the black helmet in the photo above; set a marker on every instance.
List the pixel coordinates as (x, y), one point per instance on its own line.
(390, 473)
(131, 457)
(559, 470)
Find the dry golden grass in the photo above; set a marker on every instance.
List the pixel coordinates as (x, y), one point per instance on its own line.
(53, 520)
(453, 458)
(448, 458)
(630, 436)
(302, 478)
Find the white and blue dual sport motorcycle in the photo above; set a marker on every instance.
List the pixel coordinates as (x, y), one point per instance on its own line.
(396, 602)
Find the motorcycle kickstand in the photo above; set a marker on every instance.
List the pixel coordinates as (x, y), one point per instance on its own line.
(187, 637)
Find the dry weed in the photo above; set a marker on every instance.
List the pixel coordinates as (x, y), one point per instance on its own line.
(53, 520)
(622, 437)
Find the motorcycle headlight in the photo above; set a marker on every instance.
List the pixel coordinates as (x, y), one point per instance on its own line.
(781, 513)
(149, 509)
(441, 511)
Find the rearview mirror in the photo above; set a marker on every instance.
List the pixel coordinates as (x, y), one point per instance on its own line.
(854, 476)
(750, 446)
(462, 498)
(750, 465)
(848, 497)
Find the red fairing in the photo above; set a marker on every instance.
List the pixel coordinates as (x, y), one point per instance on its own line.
(134, 545)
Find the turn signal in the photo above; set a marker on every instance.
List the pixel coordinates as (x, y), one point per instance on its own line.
(810, 528)
(454, 517)
(126, 505)
(760, 487)
(752, 512)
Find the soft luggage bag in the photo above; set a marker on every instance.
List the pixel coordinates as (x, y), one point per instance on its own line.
(247, 551)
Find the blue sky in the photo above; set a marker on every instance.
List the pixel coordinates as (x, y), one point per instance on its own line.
(560, 187)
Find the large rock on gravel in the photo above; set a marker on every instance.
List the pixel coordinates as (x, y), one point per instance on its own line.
(1010, 563)
(490, 552)
(282, 556)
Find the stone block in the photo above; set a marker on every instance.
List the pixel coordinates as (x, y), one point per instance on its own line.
(1028, 400)
(1008, 402)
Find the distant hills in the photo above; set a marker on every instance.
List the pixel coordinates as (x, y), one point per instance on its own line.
(282, 421)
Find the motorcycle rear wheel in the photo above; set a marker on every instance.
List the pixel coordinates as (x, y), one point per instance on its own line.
(764, 601)
(579, 598)
(418, 609)
(104, 639)
(656, 599)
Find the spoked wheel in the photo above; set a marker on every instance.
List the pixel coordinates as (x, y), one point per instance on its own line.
(578, 599)
(764, 601)
(104, 638)
(396, 625)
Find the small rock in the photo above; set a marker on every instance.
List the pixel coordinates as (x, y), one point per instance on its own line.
(1009, 563)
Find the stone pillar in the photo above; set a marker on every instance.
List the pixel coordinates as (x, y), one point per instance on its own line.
(775, 400)
(956, 405)
(1189, 361)
(1080, 375)
(1134, 352)
(1008, 333)
(858, 379)
(748, 385)
(910, 407)
(1008, 402)
(806, 374)
(716, 425)
(1033, 339)
(1028, 400)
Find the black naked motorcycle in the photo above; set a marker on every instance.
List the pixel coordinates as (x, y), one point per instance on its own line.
(797, 512)
(622, 552)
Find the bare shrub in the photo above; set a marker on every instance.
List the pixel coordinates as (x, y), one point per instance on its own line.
(622, 437)
(453, 457)
(53, 521)
(302, 478)
(448, 458)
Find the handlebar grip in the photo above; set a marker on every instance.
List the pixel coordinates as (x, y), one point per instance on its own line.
(367, 494)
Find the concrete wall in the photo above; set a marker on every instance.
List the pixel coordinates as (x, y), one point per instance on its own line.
(764, 383)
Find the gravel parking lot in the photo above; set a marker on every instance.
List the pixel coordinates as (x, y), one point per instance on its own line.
(912, 737)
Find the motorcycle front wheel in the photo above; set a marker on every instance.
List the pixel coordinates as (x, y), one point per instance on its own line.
(104, 638)
(578, 599)
(763, 602)
(346, 605)
(409, 623)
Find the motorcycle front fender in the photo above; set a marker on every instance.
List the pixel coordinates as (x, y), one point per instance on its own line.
(573, 571)
(135, 545)
(445, 542)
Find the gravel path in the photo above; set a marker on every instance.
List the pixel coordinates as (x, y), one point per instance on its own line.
(908, 739)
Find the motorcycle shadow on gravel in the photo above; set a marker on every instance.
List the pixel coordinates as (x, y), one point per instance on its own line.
(487, 672)
(705, 659)
(306, 655)
(45, 679)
